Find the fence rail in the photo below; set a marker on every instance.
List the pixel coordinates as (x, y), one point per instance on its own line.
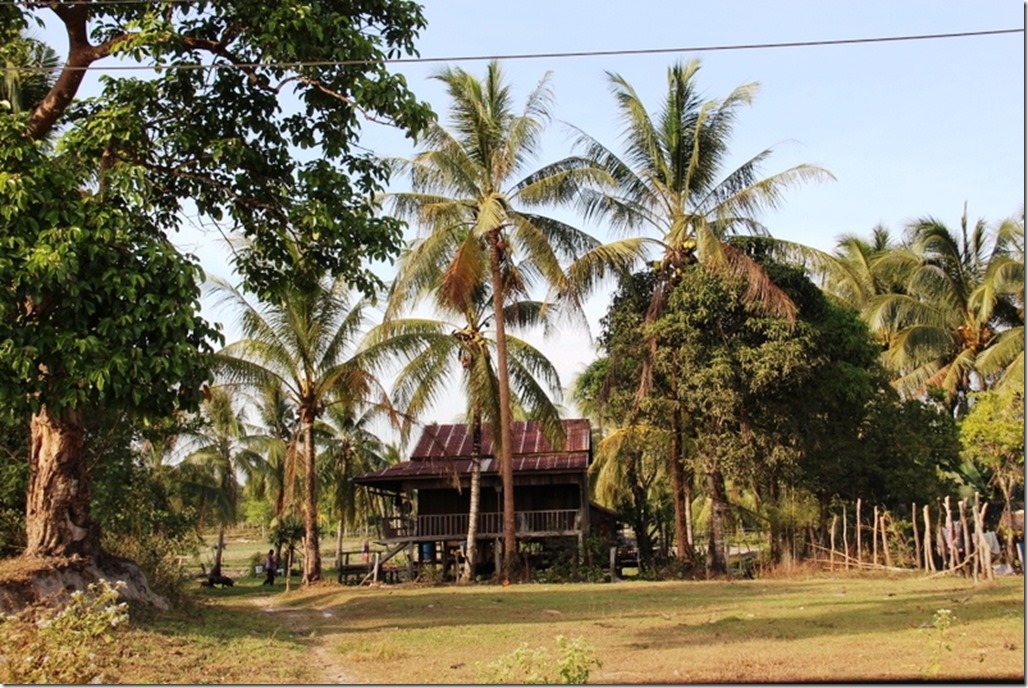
(490, 524)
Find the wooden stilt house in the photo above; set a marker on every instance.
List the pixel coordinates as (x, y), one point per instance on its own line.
(427, 499)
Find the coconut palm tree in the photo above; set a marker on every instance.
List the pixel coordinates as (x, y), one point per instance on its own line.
(670, 183)
(212, 469)
(958, 295)
(432, 347)
(850, 275)
(275, 437)
(306, 343)
(472, 192)
(350, 449)
(29, 69)
(1002, 364)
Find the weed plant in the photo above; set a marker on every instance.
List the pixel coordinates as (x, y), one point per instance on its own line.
(73, 643)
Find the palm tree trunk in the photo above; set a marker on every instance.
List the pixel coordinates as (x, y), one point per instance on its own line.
(502, 435)
(471, 549)
(311, 546)
(683, 551)
(57, 520)
(219, 548)
(339, 544)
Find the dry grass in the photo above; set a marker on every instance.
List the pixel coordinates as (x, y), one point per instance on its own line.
(812, 629)
(829, 629)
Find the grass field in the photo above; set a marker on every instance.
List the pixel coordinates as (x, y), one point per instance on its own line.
(800, 629)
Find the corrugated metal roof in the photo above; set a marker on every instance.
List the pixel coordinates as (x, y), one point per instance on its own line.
(454, 441)
(446, 449)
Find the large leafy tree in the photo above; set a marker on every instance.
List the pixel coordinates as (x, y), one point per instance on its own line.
(992, 435)
(98, 311)
(670, 184)
(306, 344)
(98, 307)
(473, 193)
(743, 377)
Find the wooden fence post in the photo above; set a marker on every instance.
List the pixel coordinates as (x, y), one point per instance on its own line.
(917, 537)
(856, 529)
(831, 564)
(982, 547)
(874, 538)
(951, 541)
(885, 541)
(929, 560)
(966, 531)
(845, 538)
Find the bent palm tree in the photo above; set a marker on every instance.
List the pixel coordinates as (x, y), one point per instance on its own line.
(669, 183)
(470, 191)
(306, 344)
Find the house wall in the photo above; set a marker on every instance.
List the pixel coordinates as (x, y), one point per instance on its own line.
(526, 498)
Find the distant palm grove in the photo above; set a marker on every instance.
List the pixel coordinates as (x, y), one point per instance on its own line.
(745, 387)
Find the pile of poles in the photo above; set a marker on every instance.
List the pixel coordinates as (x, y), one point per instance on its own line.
(957, 542)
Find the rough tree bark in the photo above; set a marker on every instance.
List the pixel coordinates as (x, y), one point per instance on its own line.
(502, 434)
(57, 520)
(311, 546)
(470, 546)
(716, 563)
(683, 550)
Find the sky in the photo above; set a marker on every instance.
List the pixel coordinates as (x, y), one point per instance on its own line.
(908, 129)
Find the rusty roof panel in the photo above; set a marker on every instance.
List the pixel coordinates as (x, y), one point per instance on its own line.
(453, 440)
(436, 468)
(444, 449)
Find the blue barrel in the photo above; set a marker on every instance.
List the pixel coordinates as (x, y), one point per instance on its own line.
(427, 551)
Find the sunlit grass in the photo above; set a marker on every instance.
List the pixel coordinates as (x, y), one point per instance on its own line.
(803, 629)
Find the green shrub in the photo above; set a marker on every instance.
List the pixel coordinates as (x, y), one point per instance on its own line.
(70, 644)
(573, 664)
(159, 558)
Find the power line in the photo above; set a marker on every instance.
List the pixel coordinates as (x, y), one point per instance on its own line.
(530, 56)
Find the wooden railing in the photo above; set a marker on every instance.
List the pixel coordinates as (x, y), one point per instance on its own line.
(455, 526)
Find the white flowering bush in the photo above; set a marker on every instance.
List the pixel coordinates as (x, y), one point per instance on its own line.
(74, 643)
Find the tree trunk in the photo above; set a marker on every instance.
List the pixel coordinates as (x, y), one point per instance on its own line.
(502, 441)
(683, 552)
(57, 521)
(311, 546)
(716, 563)
(470, 547)
(218, 549)
(339, 544)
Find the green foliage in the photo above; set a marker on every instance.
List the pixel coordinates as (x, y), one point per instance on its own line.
(567, 566)
(97, 308)
(992, 432)
(227, 138)
(71, 644)
(14, 478)
(573, 663)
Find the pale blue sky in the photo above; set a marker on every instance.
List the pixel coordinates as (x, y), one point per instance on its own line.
(908, 129)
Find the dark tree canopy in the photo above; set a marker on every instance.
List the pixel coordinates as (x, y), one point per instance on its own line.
(255, 140)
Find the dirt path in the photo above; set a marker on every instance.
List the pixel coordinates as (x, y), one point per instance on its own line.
(305, 622)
